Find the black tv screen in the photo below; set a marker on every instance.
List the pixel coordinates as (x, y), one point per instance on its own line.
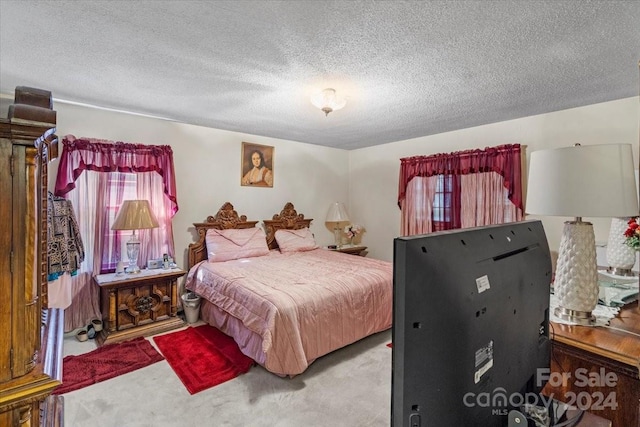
(470, 324)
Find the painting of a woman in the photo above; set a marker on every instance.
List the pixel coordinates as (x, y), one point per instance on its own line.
(256, 162)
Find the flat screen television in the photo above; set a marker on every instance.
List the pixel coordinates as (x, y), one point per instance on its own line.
(470, 324)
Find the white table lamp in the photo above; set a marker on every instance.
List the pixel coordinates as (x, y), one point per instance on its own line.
(580, 181)
(336, 215)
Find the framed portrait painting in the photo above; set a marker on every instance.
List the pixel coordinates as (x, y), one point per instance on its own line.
(257, 165)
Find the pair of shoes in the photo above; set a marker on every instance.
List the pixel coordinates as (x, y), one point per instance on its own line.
(91, 331)
(94, 327)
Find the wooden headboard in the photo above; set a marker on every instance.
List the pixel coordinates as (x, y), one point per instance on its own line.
(226, 218)
(287, 219)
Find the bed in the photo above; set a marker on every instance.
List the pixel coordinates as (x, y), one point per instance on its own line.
(292, 303)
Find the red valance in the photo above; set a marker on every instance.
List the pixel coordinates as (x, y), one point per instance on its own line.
(503, 159)
(80, 154)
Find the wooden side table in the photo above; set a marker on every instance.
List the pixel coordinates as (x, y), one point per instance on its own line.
(138, 304)
(603, 362)
(352, 250)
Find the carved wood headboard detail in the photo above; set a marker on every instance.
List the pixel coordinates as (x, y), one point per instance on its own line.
(225, 218)
(287, 219)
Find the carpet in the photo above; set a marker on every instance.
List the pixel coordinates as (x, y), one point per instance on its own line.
(106, 362)
(202, 357)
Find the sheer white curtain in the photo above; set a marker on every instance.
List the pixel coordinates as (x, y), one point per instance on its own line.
(485, 200)
(417, 206)
(156, 241)
(90, 192)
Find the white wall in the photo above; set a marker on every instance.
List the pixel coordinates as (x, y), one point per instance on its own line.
(374, 171)
(207, 163)
(207, 166)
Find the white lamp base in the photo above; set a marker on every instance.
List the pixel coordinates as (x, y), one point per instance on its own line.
(576, 281)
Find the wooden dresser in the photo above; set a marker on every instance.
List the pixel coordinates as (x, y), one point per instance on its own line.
(604, 364)
(139, 304)
(31, 338)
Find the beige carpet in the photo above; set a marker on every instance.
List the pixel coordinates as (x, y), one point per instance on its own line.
(349, 387)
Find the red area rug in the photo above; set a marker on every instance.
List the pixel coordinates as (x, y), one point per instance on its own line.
(203, 357)
(106, 362)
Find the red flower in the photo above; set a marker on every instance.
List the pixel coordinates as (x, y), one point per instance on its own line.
(632, 234)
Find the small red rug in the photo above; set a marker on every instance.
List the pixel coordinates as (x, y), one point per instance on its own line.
(106, 362)
(203, 357)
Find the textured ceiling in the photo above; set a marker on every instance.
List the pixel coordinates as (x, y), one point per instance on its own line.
(409, 69)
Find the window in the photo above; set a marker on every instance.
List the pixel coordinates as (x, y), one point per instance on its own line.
(442, 202)
(462, 189)
(124, 185)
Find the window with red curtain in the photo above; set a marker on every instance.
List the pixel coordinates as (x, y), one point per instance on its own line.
(128, 172)
(97, 176)
(461, 189)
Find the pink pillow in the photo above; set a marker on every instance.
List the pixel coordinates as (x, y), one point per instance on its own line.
(295, 240)
(224, 245)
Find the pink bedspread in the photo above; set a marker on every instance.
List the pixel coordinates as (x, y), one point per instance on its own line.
(302, 305)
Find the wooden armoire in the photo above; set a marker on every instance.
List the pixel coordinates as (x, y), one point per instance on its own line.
(30, 332)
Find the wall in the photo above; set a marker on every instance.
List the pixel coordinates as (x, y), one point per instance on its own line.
(374, 171)
(207, 167)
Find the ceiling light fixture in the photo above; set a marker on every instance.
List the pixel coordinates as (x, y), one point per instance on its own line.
(327, 101)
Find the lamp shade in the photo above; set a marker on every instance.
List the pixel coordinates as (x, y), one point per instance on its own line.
(135, 215)
(583, 181)
(337, 213)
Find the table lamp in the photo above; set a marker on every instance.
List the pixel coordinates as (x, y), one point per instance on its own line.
(593, 181)
(134, 215)
(337, 214)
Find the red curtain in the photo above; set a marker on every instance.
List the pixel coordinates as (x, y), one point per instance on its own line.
(80, 154)
(503, 159)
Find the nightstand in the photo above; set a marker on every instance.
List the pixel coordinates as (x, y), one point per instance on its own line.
(138, 304)
(352, 250)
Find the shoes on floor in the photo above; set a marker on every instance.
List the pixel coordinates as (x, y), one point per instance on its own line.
(91, 331)
(82, 335)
